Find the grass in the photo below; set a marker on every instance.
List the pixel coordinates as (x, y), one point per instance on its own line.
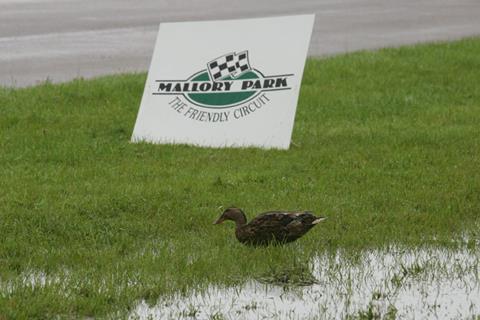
(389, 283)
(296, 275)
(386, 144)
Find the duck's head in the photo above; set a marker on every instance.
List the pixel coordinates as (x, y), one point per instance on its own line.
(234, 214)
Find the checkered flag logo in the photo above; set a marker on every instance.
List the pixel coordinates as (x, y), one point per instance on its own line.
(232, 64)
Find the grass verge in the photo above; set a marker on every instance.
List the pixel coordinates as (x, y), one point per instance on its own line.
(386, 144)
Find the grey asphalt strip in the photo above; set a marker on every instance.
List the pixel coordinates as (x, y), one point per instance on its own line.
(60, 40)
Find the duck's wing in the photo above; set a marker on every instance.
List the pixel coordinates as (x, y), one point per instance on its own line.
(265, 228)
(274, 219)
(285, 217)
(282, 226)
(302, 222)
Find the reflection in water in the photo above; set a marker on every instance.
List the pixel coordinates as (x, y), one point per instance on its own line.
(420, 284)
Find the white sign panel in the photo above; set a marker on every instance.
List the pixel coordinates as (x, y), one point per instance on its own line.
(232, 83)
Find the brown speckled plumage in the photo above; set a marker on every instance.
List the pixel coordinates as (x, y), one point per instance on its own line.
(270, 227)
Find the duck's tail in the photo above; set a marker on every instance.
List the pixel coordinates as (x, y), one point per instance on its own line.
(318, 220)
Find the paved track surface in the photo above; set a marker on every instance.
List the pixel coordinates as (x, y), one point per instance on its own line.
(64, 39)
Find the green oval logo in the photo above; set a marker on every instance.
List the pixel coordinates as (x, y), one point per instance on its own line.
(219, 100)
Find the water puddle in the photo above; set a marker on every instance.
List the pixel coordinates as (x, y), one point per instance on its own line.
(405, 284)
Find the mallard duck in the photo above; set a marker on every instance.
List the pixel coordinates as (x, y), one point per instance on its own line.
(270, 227)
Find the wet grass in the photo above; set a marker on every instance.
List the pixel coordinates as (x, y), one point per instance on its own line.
(386, 144)
(435, 283)
(295, 275)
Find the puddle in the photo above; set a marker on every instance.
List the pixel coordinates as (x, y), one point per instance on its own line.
(33, 279)
(404, 284)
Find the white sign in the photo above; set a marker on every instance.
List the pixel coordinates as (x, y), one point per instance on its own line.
(232, 83)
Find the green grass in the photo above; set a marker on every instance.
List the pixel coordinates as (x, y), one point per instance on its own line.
(386, 144)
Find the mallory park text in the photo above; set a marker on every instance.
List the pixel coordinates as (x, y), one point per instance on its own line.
(265, 84)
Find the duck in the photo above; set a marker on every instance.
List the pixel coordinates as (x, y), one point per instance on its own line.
(271, 227)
